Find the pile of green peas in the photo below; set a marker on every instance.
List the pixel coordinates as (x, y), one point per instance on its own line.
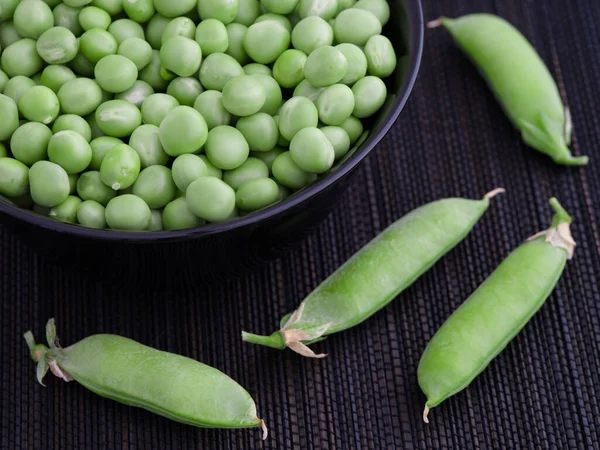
(146, 115)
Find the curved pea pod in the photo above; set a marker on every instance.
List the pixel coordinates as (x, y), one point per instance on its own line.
(375, 275)
(495, 313)
(170, 385)
(520, 81)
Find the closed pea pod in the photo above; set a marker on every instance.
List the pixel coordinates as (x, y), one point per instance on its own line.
(396, 258)
(520, 81)
(134, 374)
(495, 313)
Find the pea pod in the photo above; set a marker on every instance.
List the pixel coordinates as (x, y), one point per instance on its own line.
(375, 275)
(170, 385)
(494, 314)
(520, 81)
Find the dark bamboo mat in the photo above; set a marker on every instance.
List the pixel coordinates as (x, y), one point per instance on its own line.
(451, 140)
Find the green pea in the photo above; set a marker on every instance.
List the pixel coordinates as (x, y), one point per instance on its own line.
(295, 114)
(151, 74)
(356, 26)
(169, 8)
(326, 310)
(217, 69)
(73, 123)
(266, 41)
(3, 151)
(39, 104)
(31, 18)
(145, 141)
(369, 95)
(17, 86)
(243, 96)
(100, 146)
(279, 6)
(91, 214)
(210, 199)
(120, 167)
(186, 169)
(181, 56)
(67, 17)
(183, 130)
(128, 213)
(311, 33)
(81, 96)
(49, 183)
(118, 118)
(96, 131)
(67, 210)
(257, 69)
(357, 63)
(260, 131)
(223, 10)
(156, 107)
(82, 66)
(8, 33)
(54, 77)
(287, 172)
(339, 140)
(185, 89)
(282, 142)
(139, 10)
(212, 36)
(274, 96)
(236, 33)
(252, 168)
(112, 7)
(156, 221)
(3, 80)
(136, 50)
(155, 186)
(380, 55)
(8, 9)
(10, 117)
(325, 66)
(14, 177)
(124, 29)
(180, 26)
(21, 58)
(211, 107)
(77, 3)
(70, 150)
(379, 8)
(91, 187)
(335, 104)
(155, 29)
(73, 179)
(226, 147)
(257, 194)
(305, 89)
(93, 17)
(57, 45)
(178, 216)
(268, 157)
(326, 9)
(288, 70)
(97, 43)
(311, 151)
(211, 169)
(248, 11)
(136, 94)
(345, 4)
(115, 73)
(280, 19)
(29, 142)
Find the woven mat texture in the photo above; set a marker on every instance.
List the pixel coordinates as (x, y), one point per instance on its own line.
(452, 139)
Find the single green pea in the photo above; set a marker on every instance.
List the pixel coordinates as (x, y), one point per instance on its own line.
(210, 199)
(279, 6)
(36, 78)
(248, 11)
(295, 114)
(14, 177)
(183, 130)
(369, 94)
(155, 29)
(100, 146)
(180, 26)
(67, 210)
(10, 117)
(120, 167)
(311, 33)
(266, 41)
(379, 8)
(3, 151)
(91, 214)
(136, 50)
(209, 104)
(226, 147)
(124, 29)
(8, 33)
(68, 17)
(212, 36)
(70, 150)
(311, 151)
(236, 33)
(287, 172)
(223, 10)
(96, 131)
(339, 140)
(21, 58)
(57, 45)
(39, 104)
(128, 213)
(256, 194)
(7, 9)
(152, 75)
(257, 69)
(305, 89)
(268, 157)
(356, 26)
(178, 216)
(274, 96)
(335, 104)
(288, 70)
(282, 142)
(211, 169)
(252, 168)
(118, 118)
(97, 43)
(74, 123)
(113, 7)
(325, 66)
(91, 187)
(49, 183)
(186, 169)
(181, 56)
(94, 17)
(73, 179)
(156, 107)
(155, 186)
(357, 63)
(280, 19)
(17, 86)
(380, 55)
(54, 77)
(3, 80)
(260, 131)
(82, 66)
(115, 73)
(146, 142)
(80, 96)
(136, 94)
(243, 95)
(139, 10)
(185, 90)
(326, 9)
(32, 17)
(29, 142)
(156, 221)
(217, 69)
(169, 8)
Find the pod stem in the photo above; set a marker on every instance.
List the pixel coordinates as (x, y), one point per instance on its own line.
(264, 428)
(425, 414)
(559, 234)
(435, 23)
(494, 193)
(572, 161)
(45, 356)
(561, 215)
(274, 341)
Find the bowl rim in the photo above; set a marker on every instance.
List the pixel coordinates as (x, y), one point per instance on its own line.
(414, 13)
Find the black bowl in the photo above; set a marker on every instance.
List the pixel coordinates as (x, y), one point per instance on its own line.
(219, 249)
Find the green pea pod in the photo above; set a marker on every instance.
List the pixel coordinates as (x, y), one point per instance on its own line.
(375, 275)
(487, 321)
(170, 385)
(520, 81)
